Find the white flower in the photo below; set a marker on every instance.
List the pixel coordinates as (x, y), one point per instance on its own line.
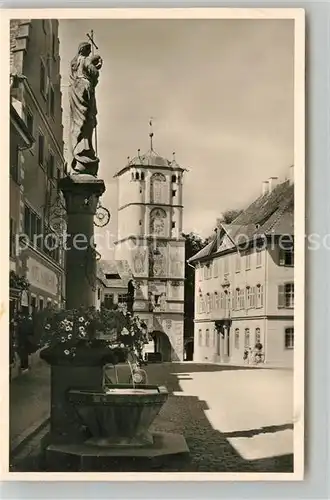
(122, 345)
(66, 352)
(125, 331)
(47, 327)
(63, 339)
(70, 336)
(68, 329)
(81, 319)
(82, 329)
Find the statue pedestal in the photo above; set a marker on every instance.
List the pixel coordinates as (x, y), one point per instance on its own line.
(81, 193)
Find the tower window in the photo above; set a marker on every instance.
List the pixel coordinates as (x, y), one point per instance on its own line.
(52, 101)
(140, 222)
(142, 176)
(173, 178)
(42, 78)
(174, 192)
(41, 149)
(173, 225)
(54, 46)
(51, 162)
(137, 176)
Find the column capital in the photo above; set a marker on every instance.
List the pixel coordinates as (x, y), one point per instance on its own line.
(81, 193)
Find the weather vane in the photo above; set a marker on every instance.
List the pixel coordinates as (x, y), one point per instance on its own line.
(151, 134)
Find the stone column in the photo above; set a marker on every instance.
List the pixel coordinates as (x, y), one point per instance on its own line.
(81, 193)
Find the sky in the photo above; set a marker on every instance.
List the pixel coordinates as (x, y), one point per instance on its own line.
(221, 96)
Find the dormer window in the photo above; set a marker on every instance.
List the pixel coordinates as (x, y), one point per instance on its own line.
(113, 276)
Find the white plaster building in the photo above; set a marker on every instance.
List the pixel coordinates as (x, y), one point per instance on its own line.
(244, 283)
(150, 214)
(113, 277)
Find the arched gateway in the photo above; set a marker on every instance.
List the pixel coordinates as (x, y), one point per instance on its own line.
(150, 239)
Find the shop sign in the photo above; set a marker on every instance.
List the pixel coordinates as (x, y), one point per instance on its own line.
(42, 277)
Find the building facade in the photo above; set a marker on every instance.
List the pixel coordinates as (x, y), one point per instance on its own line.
(20, 140)
(244, 283)
(113, 277)
(36, 98)
(150, 212)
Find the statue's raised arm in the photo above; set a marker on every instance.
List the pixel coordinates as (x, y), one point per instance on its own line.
(83, 111)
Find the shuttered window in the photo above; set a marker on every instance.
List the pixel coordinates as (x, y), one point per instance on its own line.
(286, 296)
(289, 338)
(247, 337)
(237, 338)
(207, 337)
(200, 339)
(260, 296)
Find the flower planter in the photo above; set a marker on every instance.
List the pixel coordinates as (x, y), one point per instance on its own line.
(96, 354)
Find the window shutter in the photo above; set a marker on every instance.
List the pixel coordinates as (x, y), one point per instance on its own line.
(281, 296)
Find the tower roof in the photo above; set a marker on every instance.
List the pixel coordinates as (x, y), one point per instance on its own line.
(150, 159)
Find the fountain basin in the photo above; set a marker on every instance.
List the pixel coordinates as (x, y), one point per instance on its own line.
(119, 415)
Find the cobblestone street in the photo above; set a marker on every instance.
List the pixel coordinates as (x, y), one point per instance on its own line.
(233, 419)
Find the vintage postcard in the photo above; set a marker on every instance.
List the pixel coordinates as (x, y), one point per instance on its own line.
(154, 175)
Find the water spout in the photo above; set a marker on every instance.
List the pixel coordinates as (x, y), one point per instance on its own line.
(132, 373)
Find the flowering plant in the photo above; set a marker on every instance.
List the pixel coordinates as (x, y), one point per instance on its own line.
(18, 282)
(115, 329)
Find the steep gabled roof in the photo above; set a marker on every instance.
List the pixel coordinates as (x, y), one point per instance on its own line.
(204, 252)
(271, 213)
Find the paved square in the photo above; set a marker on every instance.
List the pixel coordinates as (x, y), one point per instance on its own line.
(233, 419)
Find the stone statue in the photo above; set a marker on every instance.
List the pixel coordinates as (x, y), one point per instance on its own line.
(84, 77)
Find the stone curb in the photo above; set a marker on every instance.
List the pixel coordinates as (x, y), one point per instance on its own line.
(259, 366)
(18, 443)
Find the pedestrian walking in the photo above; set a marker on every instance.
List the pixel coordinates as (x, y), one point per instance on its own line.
(24, 339)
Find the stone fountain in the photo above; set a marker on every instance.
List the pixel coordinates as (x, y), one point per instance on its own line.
(91, 421)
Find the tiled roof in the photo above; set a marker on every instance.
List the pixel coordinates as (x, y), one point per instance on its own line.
(150, 158)
(271, 213)
(204, 252)
(118, 269)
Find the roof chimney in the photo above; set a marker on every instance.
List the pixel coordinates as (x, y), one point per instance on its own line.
(265, 188)
(272, 181)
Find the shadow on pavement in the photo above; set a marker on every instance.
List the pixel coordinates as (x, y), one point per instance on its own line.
(261, 430)
(210, 450)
